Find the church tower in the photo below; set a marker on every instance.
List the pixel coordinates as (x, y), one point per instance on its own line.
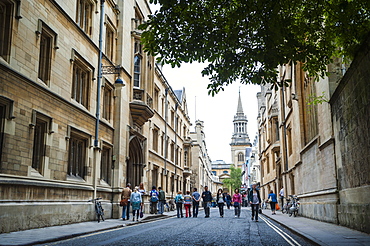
(240, 140)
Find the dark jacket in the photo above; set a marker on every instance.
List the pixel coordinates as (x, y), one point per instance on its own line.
(207, 196)
(250, 196)
(162, 196)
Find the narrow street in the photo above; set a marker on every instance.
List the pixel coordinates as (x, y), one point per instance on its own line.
(196, 231)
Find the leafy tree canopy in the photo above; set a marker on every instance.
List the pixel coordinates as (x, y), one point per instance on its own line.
(248, 39)
(235, 179)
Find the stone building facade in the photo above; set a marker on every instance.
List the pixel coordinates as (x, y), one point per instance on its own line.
(350, 106)
(313, 141)
(201, 164)
(296, 143)
(68, 135)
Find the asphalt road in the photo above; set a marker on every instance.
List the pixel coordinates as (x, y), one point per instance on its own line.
(196, 231)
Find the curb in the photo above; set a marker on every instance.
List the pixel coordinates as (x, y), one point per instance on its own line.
(305, 236)
(56, 239)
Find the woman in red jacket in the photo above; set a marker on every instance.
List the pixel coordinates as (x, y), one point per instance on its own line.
(237, 201)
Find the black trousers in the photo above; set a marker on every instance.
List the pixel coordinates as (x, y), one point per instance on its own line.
(206, 208)
(221, 208)
(255, 208)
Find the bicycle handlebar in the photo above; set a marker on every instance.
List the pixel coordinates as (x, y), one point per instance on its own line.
(99, 198)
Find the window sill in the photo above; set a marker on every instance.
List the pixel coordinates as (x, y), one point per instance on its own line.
(75, 178)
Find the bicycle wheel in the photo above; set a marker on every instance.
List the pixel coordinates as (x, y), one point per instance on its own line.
(100, 212)
(102, 216)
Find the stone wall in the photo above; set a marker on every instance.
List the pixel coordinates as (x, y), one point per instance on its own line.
(351, 113)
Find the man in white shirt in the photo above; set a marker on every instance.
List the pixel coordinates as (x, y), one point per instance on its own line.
(281, 194)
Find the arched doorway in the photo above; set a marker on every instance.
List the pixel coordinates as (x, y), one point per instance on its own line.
(135, 162)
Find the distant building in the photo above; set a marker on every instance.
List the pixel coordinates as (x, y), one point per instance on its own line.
(221, 169)
(241, 152)
(201, 167)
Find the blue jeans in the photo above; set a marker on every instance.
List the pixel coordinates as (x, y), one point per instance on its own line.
(161, 207)
(126, 211)
(179, 210)
(237, 210)
(195, 208)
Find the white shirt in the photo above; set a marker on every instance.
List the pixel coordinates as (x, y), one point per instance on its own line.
(281, 193)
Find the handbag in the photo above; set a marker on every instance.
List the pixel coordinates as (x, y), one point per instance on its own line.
(277, 206)
(236, 204)
(141, 214)
(123, 202)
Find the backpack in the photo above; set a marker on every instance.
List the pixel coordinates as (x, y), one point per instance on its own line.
(162, 196)
(179, 199)
(153, 196)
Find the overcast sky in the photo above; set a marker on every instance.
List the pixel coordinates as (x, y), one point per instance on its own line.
(217, 112)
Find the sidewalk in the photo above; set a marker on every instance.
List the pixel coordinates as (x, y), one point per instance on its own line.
(321, 233)
(55, 233)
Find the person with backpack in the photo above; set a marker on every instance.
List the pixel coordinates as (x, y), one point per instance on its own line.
(207, 199)
(220, 200)
(237, 201)
(179, 200)
(153, 200)
(135, 200)
(228, 199)
(196, 200)
(187, 204)
(161, 200)
(125, 201)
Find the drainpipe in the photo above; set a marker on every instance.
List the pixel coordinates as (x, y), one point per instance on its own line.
(96, 141)
(165, 136)
(286, 166)
(176, 154)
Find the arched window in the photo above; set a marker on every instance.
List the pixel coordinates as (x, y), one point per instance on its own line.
(137, 70)
(240, 157)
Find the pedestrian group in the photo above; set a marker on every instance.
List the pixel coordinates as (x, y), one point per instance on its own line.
(190, 200)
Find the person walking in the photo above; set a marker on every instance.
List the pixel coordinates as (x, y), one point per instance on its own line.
(179, 200)
(125, 196)
(153, 200)
(273, 200)
(221, 200)
(161, 200)
(207, 199)
(142, 192)
(136, 201)
(281, 195)
(237, 201)
(196, 199)
(187, 204)
(228, 199)
(254, 199)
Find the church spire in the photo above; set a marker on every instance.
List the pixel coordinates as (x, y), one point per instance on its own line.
(239, 111)
(240, 135)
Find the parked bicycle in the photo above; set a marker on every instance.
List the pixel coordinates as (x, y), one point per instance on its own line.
(293, 209)
(286, 206)
(98, 209)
